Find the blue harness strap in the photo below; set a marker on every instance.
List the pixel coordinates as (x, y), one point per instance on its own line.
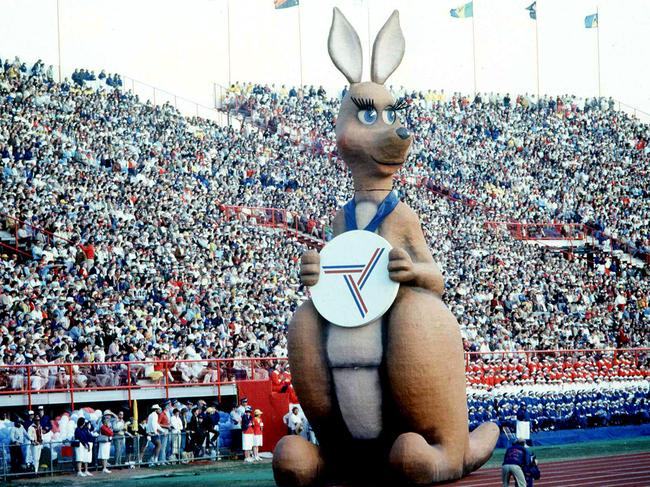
(384, 209)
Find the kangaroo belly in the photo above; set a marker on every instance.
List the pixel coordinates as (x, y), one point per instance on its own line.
(354, 355)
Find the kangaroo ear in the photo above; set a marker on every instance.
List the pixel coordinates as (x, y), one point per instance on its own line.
(344, 47)
(388, 50)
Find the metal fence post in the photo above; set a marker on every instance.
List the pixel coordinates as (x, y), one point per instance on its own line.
(71, 386)
(29, 386)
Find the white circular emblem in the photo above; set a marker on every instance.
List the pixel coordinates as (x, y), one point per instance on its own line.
(353, 287)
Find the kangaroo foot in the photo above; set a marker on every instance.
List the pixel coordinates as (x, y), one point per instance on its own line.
(417, 462)
(481, 445)
(296, 462)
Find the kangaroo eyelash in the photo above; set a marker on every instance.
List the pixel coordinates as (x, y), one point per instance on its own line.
(399, 104)
(363, 103)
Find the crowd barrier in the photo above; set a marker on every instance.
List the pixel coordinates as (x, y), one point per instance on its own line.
(23, 232)
(132, 450)
(570, 232)
(171, 376)
(541, 231)
(292, 223)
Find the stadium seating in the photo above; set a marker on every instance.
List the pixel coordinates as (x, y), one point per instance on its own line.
(122, 230)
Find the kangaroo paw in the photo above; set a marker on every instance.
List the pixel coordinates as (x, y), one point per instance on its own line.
(481, 445)
(417, 462)
(296, 462)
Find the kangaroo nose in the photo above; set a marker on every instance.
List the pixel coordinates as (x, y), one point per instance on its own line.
(403, 133)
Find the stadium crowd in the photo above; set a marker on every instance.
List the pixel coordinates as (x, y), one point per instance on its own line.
(571, 407)
(122, 209)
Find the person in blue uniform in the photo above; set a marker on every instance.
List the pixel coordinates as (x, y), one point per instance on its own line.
(516, 459)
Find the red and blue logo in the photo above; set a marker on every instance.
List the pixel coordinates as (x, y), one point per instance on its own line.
(355, 286)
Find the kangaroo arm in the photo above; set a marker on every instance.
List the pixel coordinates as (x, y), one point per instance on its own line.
(427, 274)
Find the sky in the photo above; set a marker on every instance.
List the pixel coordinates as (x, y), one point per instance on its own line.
(189, 48)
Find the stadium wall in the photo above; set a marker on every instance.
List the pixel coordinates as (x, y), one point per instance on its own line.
(183, 46)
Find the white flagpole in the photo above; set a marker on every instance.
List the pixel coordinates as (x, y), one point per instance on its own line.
(58, 38)
(537, 49)
(229, 54)
(474, 47)
(300, 45)
(598, 49)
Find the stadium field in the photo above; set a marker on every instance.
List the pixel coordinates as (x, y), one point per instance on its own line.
(605, 463)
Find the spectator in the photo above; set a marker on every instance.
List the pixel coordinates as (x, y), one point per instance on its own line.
(105, 439)
(83, 448)
(154, 431)
(294, 421)
(120, 433)
(16, 441)
(176, 431)
(248, 435)
(35, 435)
(258, 428)
(196, 437)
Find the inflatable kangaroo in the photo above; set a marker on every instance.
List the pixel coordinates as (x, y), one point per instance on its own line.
(386, 400)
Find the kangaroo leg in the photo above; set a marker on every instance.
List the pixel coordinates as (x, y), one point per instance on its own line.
(313, 385)
(296, 462)
(424, 359)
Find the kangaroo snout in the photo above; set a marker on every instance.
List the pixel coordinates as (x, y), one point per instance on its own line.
(403, 133)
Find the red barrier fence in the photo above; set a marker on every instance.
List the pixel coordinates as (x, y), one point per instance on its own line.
(541, 231)
(23, 231)
(566, 231)
(171, 376)
(164, 375)
(291, 222)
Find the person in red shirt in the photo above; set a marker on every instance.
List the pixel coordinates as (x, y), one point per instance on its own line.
(89, 253)
(165, 423)
(248, 434)
(106, 436)
(258, 426)
(276, 379)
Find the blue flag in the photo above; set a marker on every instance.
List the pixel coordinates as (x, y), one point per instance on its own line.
(285, 3)
(591, 21)
(532, 10)
(463, 11)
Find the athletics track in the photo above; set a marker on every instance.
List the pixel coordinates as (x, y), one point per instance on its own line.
(627, 465)
(612, 471)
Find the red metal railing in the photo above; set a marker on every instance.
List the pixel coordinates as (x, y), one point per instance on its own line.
(163, 375)
(541, 231)
(14, 225)
(565, 231)
(617, 244)
(291, 222)
(171, 376)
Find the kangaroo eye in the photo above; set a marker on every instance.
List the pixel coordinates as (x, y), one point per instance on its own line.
(389, 116)
(367, 116)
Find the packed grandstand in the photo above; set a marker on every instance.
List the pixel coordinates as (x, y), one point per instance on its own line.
(130, 235)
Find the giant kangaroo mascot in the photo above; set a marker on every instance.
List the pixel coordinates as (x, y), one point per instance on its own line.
(386, 400)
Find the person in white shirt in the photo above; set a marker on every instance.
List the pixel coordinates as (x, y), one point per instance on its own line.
(119, 428)
(295, 421)
(16, 439)
(35, 434)
(176, 427)
(154, 431)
